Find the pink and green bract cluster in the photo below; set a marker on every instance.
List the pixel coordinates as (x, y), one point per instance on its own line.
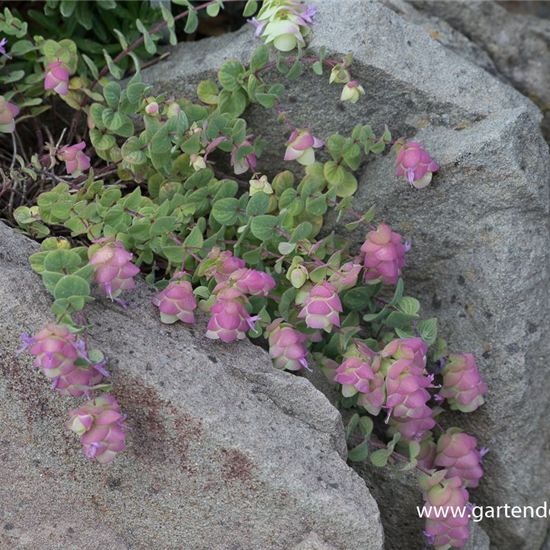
(463, 386)
(248, 162)
(322, 307)
(415, 163)
(403, 363)
(457, 453)
(8, 112)
(284, 23)
(57, 78)
(446, 505)
(225, 264)
(360, 373)
(100, 425)
(286, 346)
(113, 268)
(383, 255)
(176, 302)
(63, 360)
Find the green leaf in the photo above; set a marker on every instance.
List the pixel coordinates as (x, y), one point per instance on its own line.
(408, 305)
(358, 298)
(132, 153)
(192, 22)
(112, 93)
(213, 9)
(250, 8)
(428, 330)
(260, 58)
(398, 292)
(229, 74)
(379, 458)
(359, 453)
(352, 424)
(21, 47)
(163, 225)
(115, 71)
(147, 40)
(71, 286)
(208, 91)
(233, 103)
(263, 227)
(258, 204)
(398, 319)
(225, 211)
(102, 142)
(58, 260)
(366, 425)
(295, 71)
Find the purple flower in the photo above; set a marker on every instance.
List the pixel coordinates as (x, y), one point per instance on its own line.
(75, 159)
(258, 25)
(3, 44)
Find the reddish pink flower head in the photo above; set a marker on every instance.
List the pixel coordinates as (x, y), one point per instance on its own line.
(384, 255)
(457, 453)
(225, 264)
(321, 307)
(463, 386)
(176, 301)
(75, 159)
(415, 163)
(113, 269)
(253, 282)
(446, 503)
(230, 321)
(286, 346)
(8, 112)
(100, 425)
(57, 78)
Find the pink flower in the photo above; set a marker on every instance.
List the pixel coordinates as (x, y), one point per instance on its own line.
(352, 91)
(415, 164)
(57, 78)
(8, 112)
(113, 269)
(176, 301)
(300, 145)
(253, 282)
(230, 321)
(100, 425)
(457, 453)
(224, 263)
(321, 307)
(359, 374)
(384, 255)
(286, 346)
(247, 162)
(426, 456)
(446, 503)
(345, 277)
(463, 386)
(74, 157)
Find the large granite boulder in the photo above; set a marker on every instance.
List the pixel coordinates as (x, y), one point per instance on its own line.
(225, 452)
(481, 247)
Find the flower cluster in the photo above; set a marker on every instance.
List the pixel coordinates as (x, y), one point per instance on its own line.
(74, 157)
(284, 23)
(176, 301)
(322, 307)
(113, 267)
(8, 112)
(383, 255)
(64, 360)
(100, 425)
(57, 78)
(300, 147)
(286, 346)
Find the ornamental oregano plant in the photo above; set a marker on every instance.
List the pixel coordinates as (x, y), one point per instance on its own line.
(245, 249)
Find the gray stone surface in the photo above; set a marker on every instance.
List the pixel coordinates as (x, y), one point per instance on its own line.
(518, 44)
(225, 452)
(480, 256)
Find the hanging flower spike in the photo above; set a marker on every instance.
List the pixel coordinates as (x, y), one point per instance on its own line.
(446, 499)
(230, 320)
(321, 307)
(359, 374)
(57, 78)
(463, 386)
(352, 91)
(286, 346)
(457, 453)
(176, 301)
(76, 161)
(8, 112)
(300, 147)
(113, 269)
(100, 425)
(248, 162)
(261, 185)
(253, 282)
(384, 255)
(414, 163)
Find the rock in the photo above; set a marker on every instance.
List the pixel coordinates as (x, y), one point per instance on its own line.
(225, 452)
(481, 247)
(519, 45)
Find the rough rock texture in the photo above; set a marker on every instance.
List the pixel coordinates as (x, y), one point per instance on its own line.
(518, 45)
(480, 257)
(225, 452)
